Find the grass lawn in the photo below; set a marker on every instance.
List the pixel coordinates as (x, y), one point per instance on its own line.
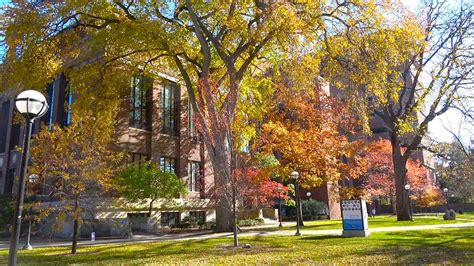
(434, 246)
(379, 221)
(466, 215)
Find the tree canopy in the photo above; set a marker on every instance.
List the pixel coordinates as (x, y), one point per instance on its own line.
(210, 47)
(146, 181)
(406, 70)
(78, 163)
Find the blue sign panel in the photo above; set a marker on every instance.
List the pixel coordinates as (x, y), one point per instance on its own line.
(353, 224)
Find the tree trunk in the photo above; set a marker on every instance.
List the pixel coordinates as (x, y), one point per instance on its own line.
(150, 208)
(399, 167)
(224, 215)
(215, 125)
(394, 204)
(76, 227)
(220, 157)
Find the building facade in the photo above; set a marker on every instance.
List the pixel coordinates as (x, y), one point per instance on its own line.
(155, 123)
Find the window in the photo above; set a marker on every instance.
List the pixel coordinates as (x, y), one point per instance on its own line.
(135, 215)
(199, 215)
(169, 219)
(194, 176)
(170, 103)
(10, 179)
(70, 97)
(168, 164)
(140, 102)
(138, 158)
(191, 124)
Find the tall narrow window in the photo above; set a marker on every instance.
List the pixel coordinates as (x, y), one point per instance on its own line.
(168, 164)
(69, 103)
(170, 103)
(51, 94)
(140, 106)
(191, 124)
(194, 174)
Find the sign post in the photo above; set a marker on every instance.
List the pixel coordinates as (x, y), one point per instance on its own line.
(354, 218)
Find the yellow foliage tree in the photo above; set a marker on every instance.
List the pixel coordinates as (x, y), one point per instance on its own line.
(79, 161)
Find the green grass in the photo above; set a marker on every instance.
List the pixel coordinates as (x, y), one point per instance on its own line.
(434, 246)
(379, 221)
(466, 215)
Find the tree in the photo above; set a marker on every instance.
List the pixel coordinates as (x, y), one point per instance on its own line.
(379, 181)
(310, 132)
(146, 181)
(455, 169)
(411, 68)
(79, 161)
(212, 46)
(252, 187)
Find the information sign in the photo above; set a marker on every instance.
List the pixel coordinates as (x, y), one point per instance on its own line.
(354, 218)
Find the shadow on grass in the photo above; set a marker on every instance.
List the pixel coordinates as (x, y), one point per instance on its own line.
(436, 246)
(162, 252)
(322, 237)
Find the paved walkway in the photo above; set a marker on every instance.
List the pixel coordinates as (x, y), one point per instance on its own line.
(207, 235)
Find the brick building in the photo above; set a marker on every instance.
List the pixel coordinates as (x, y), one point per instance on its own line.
(154, 124)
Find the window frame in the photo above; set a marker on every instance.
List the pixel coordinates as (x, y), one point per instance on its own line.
(200, 216)
(194, 178)
(141, 88)
(168, 215)
(169, 164)
(170, 99)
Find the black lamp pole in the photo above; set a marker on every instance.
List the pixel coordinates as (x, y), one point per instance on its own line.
(31, 104)
(410, 209)
(31, 179)
(28, 239)
(21, 195)
(295, 176)
(279, 206)
(298, 222)
(445, 190)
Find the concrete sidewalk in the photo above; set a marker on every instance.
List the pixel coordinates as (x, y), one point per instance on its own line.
(208, 235)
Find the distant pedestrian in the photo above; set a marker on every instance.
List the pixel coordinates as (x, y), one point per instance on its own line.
(373, 212)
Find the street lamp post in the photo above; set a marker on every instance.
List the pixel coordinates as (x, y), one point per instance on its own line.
(295, 176)
(445, 190)
(279, 206)
(31, 104)
(32, 179)
(308, 194)
(407, 189)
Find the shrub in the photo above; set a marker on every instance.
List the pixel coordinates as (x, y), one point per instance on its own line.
(250, 222)
(188, 222)
(314, 208)
(210, 224)
(6, 213)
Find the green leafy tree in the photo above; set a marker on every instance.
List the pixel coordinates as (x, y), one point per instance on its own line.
(146, 181)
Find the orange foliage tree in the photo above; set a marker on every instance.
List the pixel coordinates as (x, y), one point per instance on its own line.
(379, 180)
(256, 187)
(309, 131)
(250, 187)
